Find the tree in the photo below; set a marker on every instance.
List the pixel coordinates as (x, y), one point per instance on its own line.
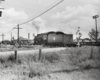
(92, 34)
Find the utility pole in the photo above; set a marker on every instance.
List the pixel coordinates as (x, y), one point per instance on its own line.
(18, 33)
(28, 36)
(95, 17)
(11, 36)
(2, 37)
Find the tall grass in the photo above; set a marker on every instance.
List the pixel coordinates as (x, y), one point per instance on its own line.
(73, 56)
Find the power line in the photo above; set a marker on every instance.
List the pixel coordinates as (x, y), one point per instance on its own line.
(10, 30)
(42, 13)
(47, 11)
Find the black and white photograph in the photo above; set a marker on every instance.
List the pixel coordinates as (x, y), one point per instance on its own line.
(49, 39)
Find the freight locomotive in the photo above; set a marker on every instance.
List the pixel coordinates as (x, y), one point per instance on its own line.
(60, 39)
(54, 39)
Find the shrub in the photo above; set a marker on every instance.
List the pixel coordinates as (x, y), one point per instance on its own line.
(2, 60)
(11, 58)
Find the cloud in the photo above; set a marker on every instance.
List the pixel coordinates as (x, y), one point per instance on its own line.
(10, 18)
(13, 16)
(61, 18)
(74, 16)
(76, 12)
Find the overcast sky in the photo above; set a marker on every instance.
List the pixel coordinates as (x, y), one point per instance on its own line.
(66, 17)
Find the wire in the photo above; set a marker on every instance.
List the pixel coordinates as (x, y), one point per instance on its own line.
(10, 30)
(42, 13)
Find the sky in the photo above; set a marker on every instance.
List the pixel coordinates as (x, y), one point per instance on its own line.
(65, 17)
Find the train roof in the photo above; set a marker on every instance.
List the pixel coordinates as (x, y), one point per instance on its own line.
(51, 32)
(58, 32)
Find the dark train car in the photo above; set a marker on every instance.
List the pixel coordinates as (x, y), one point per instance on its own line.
(68, 40)
(88, 42)
(40, 39)
(54, 39)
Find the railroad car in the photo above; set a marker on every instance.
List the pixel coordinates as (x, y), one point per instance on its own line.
(61, 39)
(88, 42)
(40, 39)
(54, 39)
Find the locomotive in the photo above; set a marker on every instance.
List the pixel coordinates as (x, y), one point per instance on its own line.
(60, 39)
(54, 39)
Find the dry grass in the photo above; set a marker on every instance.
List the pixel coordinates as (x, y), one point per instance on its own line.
(69, 60)
(19, 47)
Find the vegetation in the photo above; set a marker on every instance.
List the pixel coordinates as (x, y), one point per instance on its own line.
(92, 34)
(69, 60)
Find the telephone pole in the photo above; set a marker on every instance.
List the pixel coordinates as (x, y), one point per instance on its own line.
(95, 17)
(11, 36)
(18, 33)
(2, 37)
(28, 36)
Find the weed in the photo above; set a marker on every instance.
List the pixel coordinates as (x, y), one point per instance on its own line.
(11, 58)
(2, 60)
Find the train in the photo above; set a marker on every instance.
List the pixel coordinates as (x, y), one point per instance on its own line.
(54, 39)
(61, 39)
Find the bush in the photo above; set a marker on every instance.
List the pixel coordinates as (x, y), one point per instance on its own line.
(2, 60)
(11, 58)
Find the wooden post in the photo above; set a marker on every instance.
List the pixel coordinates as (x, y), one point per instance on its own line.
(16, 55)
(40, 54)
(91, 55)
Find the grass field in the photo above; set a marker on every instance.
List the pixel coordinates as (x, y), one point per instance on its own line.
(71, 64)
(19, 47)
